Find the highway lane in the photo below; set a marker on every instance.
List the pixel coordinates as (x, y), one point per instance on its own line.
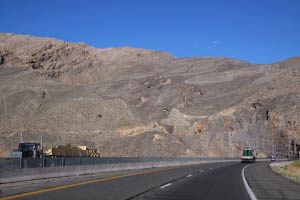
(204, 181)
(222, 183)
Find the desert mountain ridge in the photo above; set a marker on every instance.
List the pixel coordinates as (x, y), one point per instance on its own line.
(136, 102)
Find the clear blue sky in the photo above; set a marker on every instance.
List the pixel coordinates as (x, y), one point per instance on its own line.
(258, 31)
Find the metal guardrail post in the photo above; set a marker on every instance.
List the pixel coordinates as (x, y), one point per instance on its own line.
(21, 162)
(44, 162)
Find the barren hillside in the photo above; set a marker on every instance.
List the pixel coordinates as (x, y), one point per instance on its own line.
(136, 102)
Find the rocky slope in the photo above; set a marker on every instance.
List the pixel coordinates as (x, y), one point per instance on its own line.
(136, 102)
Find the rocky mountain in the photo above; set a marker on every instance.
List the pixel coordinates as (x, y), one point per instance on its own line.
(137, 102)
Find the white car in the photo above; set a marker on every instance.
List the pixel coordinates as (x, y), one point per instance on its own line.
(273, 158)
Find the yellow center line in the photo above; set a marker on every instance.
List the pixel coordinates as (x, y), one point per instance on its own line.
(84, 183)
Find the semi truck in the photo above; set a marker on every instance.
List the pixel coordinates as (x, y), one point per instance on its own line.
(30, 150)
(35, 150)
(27, 150)
(249, 155)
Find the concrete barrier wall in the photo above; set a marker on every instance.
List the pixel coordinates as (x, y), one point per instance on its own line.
(26, 174)
(17, 163)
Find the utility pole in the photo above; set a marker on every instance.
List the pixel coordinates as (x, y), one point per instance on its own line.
(41, 140)
(288, 145)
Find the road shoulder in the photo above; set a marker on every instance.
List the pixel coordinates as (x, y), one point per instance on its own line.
(268, 185)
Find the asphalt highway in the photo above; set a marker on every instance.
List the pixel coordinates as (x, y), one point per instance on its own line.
(204, 181)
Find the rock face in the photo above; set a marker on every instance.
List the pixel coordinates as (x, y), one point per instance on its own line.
(136, 102)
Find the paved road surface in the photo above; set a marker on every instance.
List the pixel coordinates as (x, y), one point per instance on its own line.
(220, 183)
(205, 181)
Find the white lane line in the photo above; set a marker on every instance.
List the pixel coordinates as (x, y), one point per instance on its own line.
(164, 186)
(189, 175)
(250, 192)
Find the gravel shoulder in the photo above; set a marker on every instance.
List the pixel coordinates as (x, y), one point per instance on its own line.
(289, 169)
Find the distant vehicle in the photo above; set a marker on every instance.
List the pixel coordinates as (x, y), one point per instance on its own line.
(35, 150)
(249, 155)
(273, 158)
(30, 150)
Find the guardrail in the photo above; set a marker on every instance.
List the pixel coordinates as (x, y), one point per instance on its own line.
(17, 163)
